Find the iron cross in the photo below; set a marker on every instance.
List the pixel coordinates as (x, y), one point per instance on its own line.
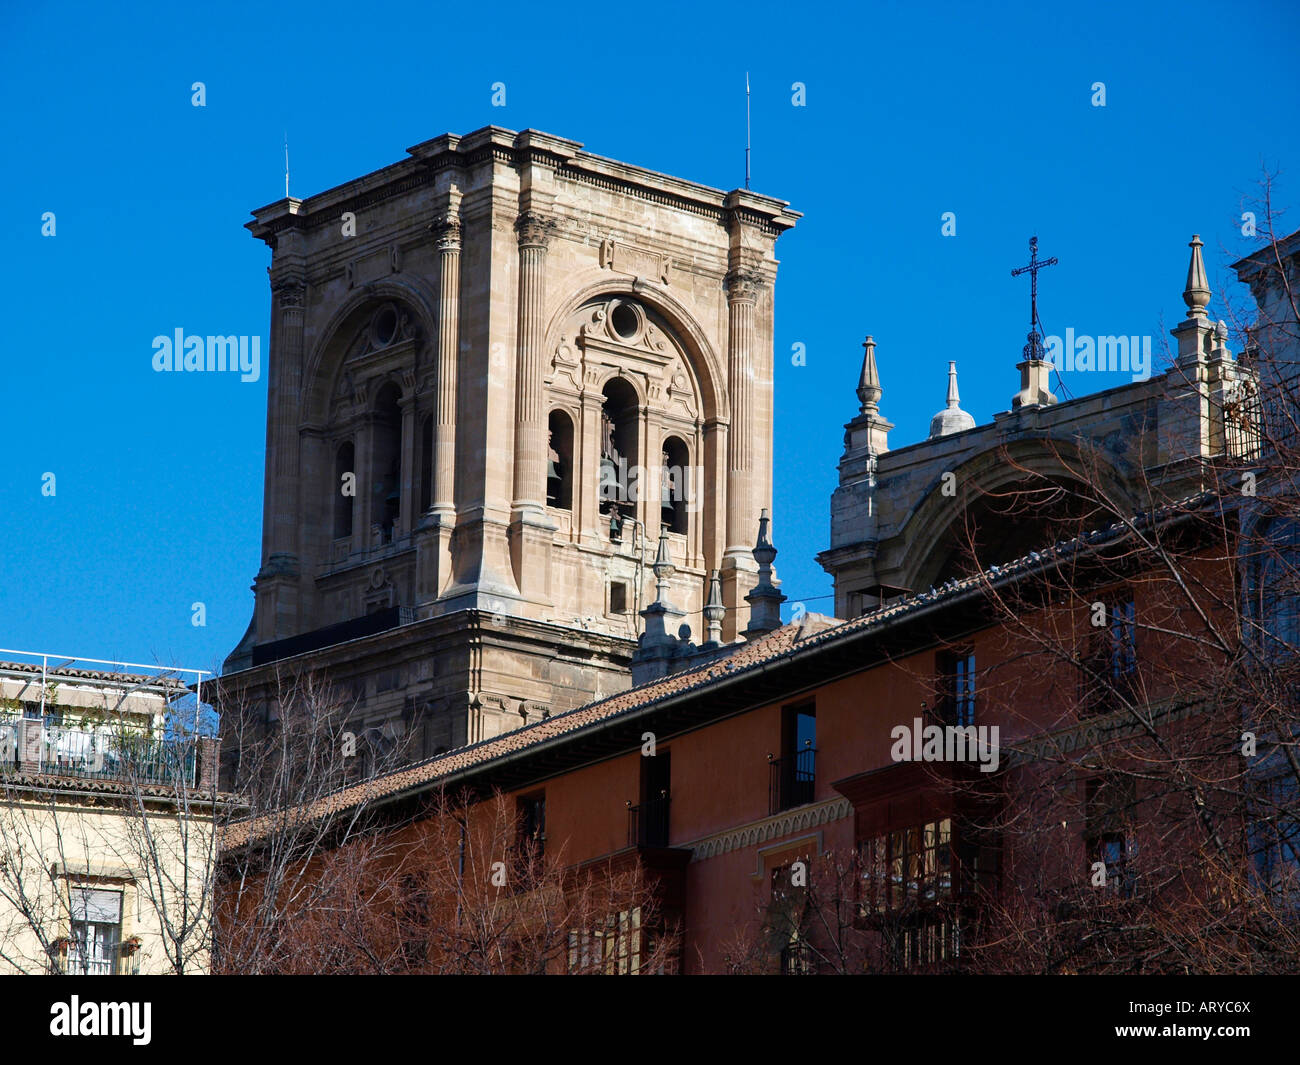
(1035, 264)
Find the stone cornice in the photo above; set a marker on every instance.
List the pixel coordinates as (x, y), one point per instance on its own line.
(800, 819)
(530, 147)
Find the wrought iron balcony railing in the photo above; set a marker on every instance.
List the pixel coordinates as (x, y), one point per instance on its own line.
(791, 781)
(647, 824)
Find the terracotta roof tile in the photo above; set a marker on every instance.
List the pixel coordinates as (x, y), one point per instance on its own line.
(796, 636)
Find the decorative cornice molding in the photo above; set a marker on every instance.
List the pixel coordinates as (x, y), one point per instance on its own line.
(800, 819)
(640, 192)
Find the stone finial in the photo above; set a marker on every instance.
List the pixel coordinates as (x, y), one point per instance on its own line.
(764, 552)
(952, 419)
(869, 390)
(656, 646)
(1197, 293)
(766, 599)
(714, 610)
(663, 567)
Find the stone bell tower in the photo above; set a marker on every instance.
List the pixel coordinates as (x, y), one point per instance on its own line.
(499, 370)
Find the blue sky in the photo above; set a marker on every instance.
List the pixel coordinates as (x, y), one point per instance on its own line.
(911, 111)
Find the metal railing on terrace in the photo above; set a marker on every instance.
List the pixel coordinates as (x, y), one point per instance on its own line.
(120, 756)
(106, 755)
(101, 718)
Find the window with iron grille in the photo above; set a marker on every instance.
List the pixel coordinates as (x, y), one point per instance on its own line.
(793, 777)
(926, 942)
(614, 950)
(96, 932)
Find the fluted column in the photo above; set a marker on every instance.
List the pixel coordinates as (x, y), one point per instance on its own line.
(433, 530)
(742, 294)
(530, 414)
(447, 241)
(531, 532)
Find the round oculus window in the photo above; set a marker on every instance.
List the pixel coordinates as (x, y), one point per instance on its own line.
(625, 321)
(383, 327)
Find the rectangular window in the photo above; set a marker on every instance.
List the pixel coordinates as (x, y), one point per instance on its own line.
(1275, 838)
(1110, 809)
(793, 777)
(926, 942)
(96, 932)
(906, 868)
(614, 950)
(649, 827)
(957, 687)
(532, 824)
(787, 918)
(1109, 668)
(1111, 850)
(1123, 640)
(617, 597)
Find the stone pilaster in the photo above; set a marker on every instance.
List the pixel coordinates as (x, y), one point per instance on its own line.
(742, 294)
(743, 287)
(447, 241)
(530, 531)
(435, 544)
(278, 578)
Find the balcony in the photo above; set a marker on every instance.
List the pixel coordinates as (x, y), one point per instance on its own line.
(647, 824)
(27, 745)
(791, 781)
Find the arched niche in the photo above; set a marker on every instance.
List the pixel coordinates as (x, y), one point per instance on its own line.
(362, 340)
(1014, 499)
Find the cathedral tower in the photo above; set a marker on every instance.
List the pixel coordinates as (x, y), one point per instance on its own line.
(499, 369)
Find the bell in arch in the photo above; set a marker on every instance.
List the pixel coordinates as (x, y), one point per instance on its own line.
(553, 477)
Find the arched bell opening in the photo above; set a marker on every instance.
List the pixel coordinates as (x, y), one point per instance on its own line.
(386, 464)
(675, 489)
(619, 455)
(559, 461)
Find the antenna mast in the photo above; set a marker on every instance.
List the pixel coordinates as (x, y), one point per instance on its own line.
(286, 164)
(747, 141)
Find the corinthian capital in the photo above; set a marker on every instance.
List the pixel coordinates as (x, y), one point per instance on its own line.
(446, 232)
(289, 290)
(744, 285)
(534, 229)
